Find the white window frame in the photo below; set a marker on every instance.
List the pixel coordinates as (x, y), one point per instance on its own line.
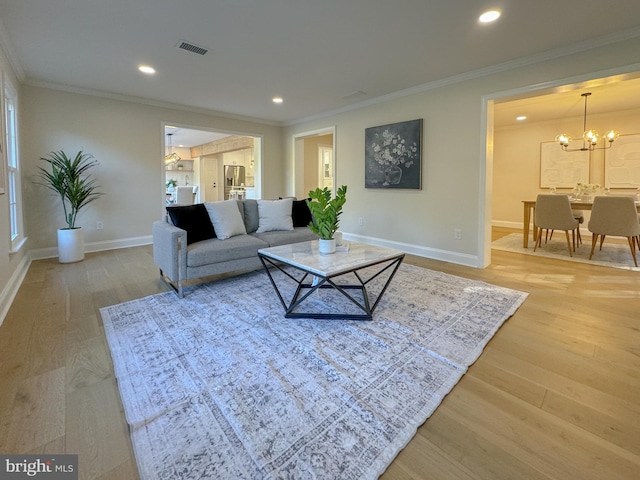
(12, 162)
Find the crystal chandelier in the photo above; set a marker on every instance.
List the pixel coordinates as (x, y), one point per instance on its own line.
(590, 137)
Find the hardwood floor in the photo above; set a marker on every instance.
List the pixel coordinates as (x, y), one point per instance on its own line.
(555, 395)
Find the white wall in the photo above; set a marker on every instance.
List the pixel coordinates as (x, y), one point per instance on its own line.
(13, 265)
(127, 139)
(516, 159)
(453, 158)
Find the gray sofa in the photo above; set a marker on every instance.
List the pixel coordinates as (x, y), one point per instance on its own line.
(186, 246)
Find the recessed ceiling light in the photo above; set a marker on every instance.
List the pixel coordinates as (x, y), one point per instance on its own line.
(277, 100)
(147, 69)
(521, 118)
(489, 16)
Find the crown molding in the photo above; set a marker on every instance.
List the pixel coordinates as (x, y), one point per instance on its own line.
(149, 102)
(9, 51)
(564, 51)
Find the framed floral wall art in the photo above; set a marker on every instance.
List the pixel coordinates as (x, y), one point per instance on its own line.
(393, 155)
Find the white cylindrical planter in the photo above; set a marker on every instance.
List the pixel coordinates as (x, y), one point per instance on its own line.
(327, 246)
(70, 245)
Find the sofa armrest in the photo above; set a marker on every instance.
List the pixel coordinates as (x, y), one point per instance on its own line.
(170, 250)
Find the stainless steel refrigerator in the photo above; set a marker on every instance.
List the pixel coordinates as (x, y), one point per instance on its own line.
(234, 176)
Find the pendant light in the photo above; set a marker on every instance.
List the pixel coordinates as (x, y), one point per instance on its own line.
(171, 158)
(590, 137)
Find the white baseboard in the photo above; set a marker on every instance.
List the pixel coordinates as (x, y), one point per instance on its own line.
(518, 225)
(501, 223)
(52, 252)
(427, 252)
(13, 285)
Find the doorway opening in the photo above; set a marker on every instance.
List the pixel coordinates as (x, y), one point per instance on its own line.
(505, 183)
(197, 160)
(314, 164)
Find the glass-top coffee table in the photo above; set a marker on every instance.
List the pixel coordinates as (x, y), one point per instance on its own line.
(347, 272)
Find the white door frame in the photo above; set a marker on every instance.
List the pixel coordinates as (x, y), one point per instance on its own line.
(297, 168)
(486, 151)
(258, 152)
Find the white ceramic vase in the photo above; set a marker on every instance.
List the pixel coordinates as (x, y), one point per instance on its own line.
(327, 246)
(70, 245)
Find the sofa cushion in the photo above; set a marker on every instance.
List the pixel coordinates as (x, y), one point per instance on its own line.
(194, 219)
(300, 213)
(275, 215)
(216, 250)
(226, 219)
(275, 238)
(251, 216)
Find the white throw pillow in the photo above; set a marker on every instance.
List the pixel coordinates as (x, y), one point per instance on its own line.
(226, 218)
(275, 215)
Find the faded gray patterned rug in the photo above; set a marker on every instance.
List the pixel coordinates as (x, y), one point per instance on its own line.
(220, 385)
(615, 253)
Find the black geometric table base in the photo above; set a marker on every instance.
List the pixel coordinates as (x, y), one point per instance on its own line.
(310, 282)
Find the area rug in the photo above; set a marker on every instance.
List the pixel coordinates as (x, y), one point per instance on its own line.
(220, 385)
(616, 255)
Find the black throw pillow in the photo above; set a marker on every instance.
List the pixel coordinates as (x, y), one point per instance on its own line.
(300, 214)
(194, 219)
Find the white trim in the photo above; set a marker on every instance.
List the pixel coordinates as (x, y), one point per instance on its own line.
(418, 250)
(52, 252)
(13, 285)
(482, 72)
(150, 102)
(312, 133)
(486, 131)
(485, 186)
(506, 224)
(9, 51)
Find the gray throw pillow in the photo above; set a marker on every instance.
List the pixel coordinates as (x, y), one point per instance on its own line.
(251, 216)
(226, 219)
(275, 215)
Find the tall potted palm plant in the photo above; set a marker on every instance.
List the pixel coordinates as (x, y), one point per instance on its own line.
(72, 181)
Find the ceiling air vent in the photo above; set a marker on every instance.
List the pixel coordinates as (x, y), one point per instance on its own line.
(190, 47)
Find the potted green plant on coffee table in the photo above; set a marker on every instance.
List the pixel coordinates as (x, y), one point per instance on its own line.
(71, 180)
(325, 215)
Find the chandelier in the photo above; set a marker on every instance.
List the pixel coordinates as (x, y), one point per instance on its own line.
(590, 138)
(172, 157)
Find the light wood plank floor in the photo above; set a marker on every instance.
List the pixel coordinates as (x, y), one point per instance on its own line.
(555, 395)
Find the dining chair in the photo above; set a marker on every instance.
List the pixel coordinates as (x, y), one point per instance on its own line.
(579, 216)
(184, 195)
(615, 216)
(553, 212)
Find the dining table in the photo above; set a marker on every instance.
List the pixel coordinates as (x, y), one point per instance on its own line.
(529, 215)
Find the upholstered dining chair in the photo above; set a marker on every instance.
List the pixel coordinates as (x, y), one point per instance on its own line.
(553, 212)
(184, 195)
(615, 216)
(578, 215)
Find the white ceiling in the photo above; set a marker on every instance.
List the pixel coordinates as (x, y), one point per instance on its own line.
(186, 137)
(607, 95)
(321, 56)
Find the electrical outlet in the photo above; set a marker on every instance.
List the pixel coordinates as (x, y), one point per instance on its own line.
(457, 233)
(99, 225)
(361, 221)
